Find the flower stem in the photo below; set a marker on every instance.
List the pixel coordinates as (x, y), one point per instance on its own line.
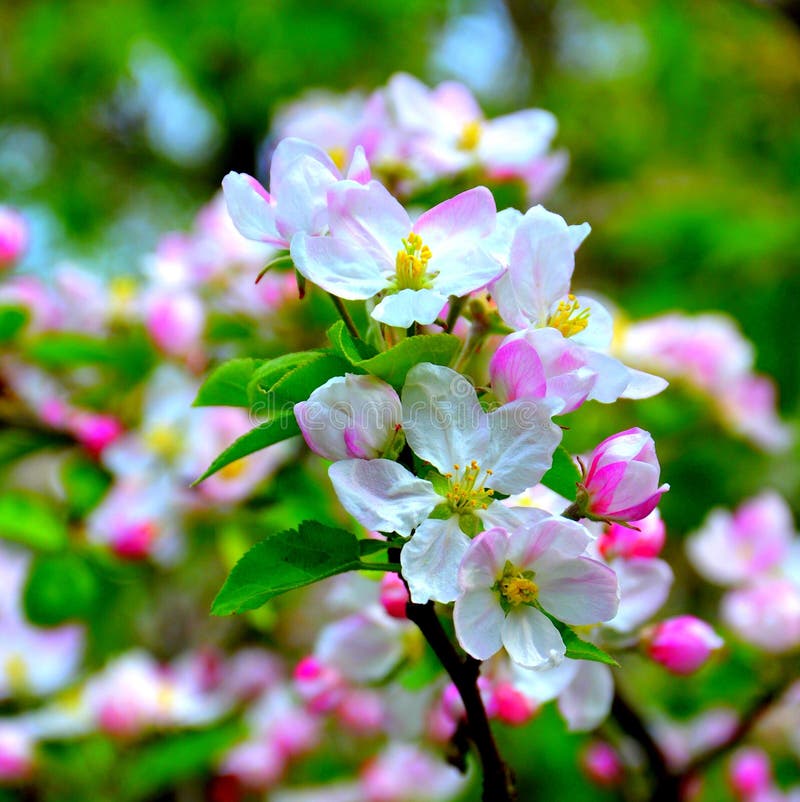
(345, 315)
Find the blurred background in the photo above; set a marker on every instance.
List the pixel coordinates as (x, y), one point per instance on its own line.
(681, 120)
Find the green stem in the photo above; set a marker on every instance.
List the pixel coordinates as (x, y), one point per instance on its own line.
(345, 315)
(456, 305)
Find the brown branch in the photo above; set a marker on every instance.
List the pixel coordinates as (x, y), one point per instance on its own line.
(498, 781)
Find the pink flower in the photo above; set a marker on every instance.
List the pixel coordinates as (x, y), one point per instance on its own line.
(645, 541)
(755, 538)
(543, 364)
(320, 685)
(175, 322)
(602, 764)
(682, 644)
(95, 431)
(16, 753)
(509, 705)
(13, 236)
(506, 581)
(766, 614)
(622, 480)
(750, 772)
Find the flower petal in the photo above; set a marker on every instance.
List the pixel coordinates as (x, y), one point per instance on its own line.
(409, 306)
(382, 495)
(337, 266)
(586, 701)
(431, 558)
(578, 591)
(250, 209)
(466, 218)
(478, 620)
(442, 418)
(483, 563)
(644, 585)
(531, 639)
(522, 439)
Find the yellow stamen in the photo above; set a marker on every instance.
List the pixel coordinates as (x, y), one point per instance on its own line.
(465, 493)
(518, 589)
(470, 135)
(411, 265)
(569, 318)
(16, 673)
(338, 157)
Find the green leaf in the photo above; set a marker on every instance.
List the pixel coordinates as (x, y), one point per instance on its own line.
(60, 587)
(284, 561)
(12, 321)
(298, 384)
(368, 547)
(275, 371)
(30, 521)
(347, 346)
(227, 384)
(578, 649)
(171, 761)
(85, 484)
(393, 365)
(563, 475)
(421, 672)
(279, 428)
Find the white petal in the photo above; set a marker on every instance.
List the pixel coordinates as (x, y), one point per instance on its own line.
(478, 620)
(531, 639)
(250, 211)
(586, 701)
(337, 266)
(431, 558)
(544, 684)
(540, 267)
(643, 385)
(409, 306)
(578, 234)
(547, 543)
(579, 591)
(382, 495)
(644, 586)
(483, 563)
(464, 271)
(522, 439)
(600, 331)
(442, 418)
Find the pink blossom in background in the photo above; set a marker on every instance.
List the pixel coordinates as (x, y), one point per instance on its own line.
(601, 764)
(682, 644)
(749, 773)
(14, 236)
(645, 540)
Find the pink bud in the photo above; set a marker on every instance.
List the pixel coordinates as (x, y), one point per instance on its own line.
(361, 711)
(602, 765)
(622, 480)
(510, 705)
(646, 541)
(394, 595)
(134, 542)
(750, 772)
(682, 644)
(13, 236)
(95, 431)
(16, 754)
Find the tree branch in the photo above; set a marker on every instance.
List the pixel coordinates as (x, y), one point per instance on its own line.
(498, 781)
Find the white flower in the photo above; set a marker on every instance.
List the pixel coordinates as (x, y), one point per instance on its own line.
(474, 454)
(506, 582)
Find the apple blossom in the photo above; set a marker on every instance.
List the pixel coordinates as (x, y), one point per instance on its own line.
(375, 250)
(507, 581)
(765, 613)
(602, 764)
(474, 454)
(300, 176)
(750, 773)
(621, 482)
(351, 417)
(682, 644)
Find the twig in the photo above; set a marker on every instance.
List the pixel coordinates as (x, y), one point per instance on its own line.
(498, 781)
(345, 315)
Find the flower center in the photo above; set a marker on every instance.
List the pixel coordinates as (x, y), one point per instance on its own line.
(164, 442)
(470, 136)
(517, 587)
(16, 673)
(411, 265)
(338, 156)
(569, 318)
(467, 491)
